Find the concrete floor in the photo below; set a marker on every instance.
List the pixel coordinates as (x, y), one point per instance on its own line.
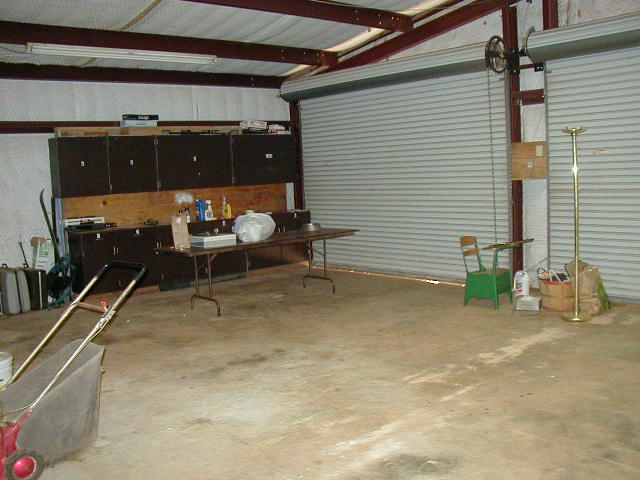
(389, 379)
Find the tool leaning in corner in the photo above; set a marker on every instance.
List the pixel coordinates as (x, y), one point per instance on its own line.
(60, 277)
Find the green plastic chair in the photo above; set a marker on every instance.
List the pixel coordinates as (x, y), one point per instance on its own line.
(485, 283)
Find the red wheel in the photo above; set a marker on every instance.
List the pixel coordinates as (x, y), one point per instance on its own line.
(24, 465)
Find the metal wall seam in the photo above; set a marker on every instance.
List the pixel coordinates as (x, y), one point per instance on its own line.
(609, 154)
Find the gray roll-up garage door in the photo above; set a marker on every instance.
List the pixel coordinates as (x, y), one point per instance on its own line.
(600, 92)
(414, 166)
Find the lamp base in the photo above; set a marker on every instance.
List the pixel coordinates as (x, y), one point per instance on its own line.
(579, 317)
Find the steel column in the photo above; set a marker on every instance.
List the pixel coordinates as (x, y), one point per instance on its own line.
(510, 33)
(294, 117)
(549, 14)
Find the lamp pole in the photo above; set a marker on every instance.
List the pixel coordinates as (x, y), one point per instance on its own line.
(576, 315)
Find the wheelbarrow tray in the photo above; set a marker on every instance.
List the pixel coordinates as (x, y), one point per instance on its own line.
(66, 420)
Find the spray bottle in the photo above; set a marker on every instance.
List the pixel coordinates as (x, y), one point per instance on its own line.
(208, 214)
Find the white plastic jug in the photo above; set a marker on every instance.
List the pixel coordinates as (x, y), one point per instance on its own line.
(521, 284)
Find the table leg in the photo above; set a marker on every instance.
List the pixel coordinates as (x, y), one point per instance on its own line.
(207, 265)
(310, 251)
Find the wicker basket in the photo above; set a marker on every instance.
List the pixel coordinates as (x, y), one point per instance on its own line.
(556, 296)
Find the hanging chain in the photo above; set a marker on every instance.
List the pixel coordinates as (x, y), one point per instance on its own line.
(493, 167)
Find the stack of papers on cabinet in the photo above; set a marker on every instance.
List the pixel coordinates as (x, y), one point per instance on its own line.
(206, 240)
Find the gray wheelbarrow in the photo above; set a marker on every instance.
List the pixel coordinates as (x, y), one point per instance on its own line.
(51, 412)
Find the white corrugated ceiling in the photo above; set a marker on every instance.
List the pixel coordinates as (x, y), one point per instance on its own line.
(181, 18)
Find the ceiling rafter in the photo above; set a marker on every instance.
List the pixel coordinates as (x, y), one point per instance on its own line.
(22, 33)
(445, 23)
(29, 71)
(377, 38)
(324, 10)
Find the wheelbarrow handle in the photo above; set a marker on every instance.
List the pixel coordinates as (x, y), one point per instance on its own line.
(119, 264)
(106, 312)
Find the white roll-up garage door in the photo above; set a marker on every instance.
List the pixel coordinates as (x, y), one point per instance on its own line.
(600, 92)
(413, 166)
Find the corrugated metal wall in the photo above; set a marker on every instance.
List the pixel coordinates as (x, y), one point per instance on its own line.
(411, 166)
(601, 93)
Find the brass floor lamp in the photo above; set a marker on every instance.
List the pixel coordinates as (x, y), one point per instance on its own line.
(576, 315)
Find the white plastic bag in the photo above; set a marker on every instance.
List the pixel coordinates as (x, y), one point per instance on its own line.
(253, 227)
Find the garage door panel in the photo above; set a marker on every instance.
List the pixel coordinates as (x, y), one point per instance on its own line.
(581, 91)
(413, 167)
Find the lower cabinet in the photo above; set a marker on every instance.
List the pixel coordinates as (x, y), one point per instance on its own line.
(92, 249)
(89, 252)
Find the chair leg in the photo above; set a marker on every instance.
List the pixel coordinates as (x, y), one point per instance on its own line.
(496, 301)
(466, 295)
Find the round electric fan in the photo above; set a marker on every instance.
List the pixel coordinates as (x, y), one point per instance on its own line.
(495, 54)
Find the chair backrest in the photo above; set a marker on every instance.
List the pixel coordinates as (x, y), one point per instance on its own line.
(469, 246)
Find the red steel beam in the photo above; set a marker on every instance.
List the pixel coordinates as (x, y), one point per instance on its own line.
(419, 17)
(29, 71)
(294, 115)
(334, 12)
(427, 31)
(22, 33)
(549, 14)
(510, 34)
(529, 97)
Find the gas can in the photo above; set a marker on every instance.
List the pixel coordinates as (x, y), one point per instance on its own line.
(521, 283)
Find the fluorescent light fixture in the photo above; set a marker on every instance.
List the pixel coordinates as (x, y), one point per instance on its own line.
(118, 53)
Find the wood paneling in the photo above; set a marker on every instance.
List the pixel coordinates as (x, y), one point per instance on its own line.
(132, 209)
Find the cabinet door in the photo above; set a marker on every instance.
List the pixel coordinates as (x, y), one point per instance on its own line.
(137, 245)
(194, 161)
(132, 164)
(211, 159)
(79, 166)
(263, 159)
(99, 248)
(172, 269)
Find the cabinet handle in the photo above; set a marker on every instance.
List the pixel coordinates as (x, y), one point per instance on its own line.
(131, 162)
(82, 163)
(195, 159)
(114, 250)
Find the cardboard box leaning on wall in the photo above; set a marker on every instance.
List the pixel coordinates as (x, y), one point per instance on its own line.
(180, 231)
(43, 254)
